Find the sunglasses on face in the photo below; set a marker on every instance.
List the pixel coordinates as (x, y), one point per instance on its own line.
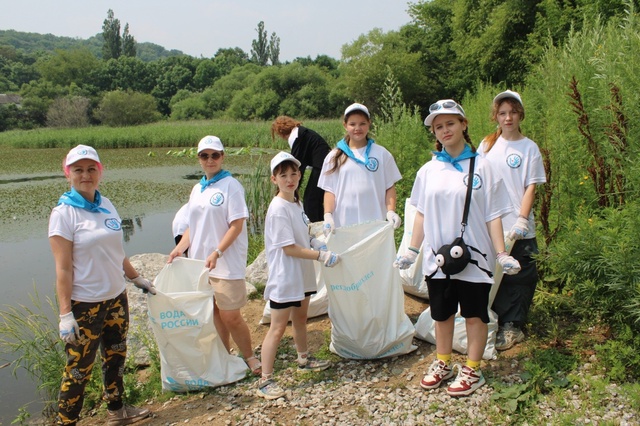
(215, 156)
(445, 104)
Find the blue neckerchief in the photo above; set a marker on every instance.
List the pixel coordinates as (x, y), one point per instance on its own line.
(344, 147)
(74, 199)
(218, 176)
(445, 157)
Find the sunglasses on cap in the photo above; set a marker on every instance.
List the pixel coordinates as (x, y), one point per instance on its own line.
(205, 157)
(446, 105)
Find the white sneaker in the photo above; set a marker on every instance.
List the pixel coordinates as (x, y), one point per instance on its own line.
(438, 372)
(507, 336)
(268, 389)
(466, 382)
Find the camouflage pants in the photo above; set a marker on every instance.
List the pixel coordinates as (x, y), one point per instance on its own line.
(102, 325)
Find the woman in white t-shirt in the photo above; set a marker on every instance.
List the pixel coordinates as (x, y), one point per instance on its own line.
(517, 160)
(85, 234)
(358, 177)
(439, 194)
(291, 280)
(217, 234)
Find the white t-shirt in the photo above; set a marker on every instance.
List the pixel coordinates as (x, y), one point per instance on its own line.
(439, 193)
(519, 164)
(180, 221)
(98, 252)
(210, 213)
(289, 278)
(360, 191)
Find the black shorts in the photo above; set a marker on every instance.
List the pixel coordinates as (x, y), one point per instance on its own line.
(445, 296)
(285, 305)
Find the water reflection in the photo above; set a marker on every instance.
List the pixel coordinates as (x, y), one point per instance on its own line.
(128, 228)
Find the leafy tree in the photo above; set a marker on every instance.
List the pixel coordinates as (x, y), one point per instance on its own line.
(173, 74)
(68, 66)
(128, 43)
(112, 47)
(126, 73)
(219, 96)
(69, 112)
(260, 46)
(127, 108)
(228, 59)
(366, 63)
(274, 49)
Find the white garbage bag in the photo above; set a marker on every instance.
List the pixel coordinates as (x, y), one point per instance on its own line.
(192, 356)
(426, 330)
(366, 302)
(413, 280)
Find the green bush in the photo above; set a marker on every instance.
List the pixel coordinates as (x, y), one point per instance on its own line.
(119, 108)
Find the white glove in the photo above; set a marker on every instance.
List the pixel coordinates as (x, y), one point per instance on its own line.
(69, 329)
(406, 260)
(143, 284)
(328, 258)
(316, 244)
(329, 227)
(519, 230)
(394, 218)
(510, 266)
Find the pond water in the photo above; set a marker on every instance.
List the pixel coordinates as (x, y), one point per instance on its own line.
(28, 264)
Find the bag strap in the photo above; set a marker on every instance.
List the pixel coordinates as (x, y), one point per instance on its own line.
(467, 199)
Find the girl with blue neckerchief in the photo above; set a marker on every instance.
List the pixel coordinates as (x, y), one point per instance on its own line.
(358, 176)
(217, 233)
(85, 234)
(439, 194)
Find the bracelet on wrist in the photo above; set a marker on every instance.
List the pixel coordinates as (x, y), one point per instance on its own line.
(502, 253)
(219, 252)
(415, 250)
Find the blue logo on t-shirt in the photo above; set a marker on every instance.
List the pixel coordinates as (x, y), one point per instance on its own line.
(514, 161)
(217, 199)
(372, 164)
(477, 181)
(112, 223)
(305, 219)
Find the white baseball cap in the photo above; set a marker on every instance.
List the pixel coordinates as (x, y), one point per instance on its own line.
(282, 157)
(210, 142)
(356, 107)
(81, 152)
(508, 94)
(443, 106)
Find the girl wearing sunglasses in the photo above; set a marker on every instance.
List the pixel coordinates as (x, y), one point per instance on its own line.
(517, 160)
(439, 193)
(217, 234)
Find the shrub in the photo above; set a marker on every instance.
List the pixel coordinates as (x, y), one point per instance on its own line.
(69, 112)
(120, 108)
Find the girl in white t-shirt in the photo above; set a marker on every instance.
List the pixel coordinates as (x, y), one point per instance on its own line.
(291, 279)
(358, 177)
(439, 194)
(517, 160)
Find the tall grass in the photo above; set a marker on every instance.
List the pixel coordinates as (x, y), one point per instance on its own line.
(163, 134)
(29, 334)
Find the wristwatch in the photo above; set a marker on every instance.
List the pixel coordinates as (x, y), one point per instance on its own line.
(219, 252)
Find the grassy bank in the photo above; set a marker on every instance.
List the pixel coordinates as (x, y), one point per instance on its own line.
(163, 134)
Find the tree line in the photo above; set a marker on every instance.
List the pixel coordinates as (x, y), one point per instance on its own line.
(445, 51)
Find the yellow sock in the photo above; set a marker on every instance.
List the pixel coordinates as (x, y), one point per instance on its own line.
(446, 358)
(473, 364)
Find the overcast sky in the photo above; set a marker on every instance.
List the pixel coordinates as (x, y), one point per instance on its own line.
(201, 27)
